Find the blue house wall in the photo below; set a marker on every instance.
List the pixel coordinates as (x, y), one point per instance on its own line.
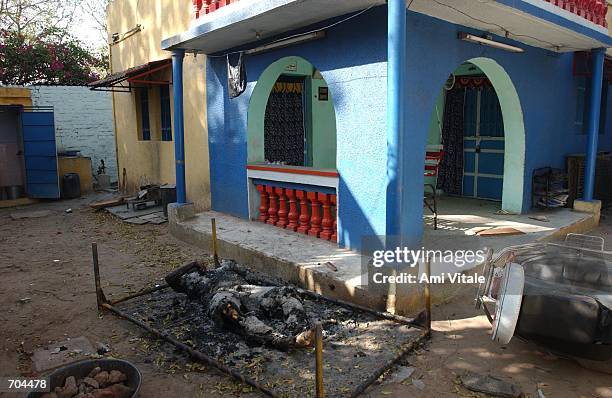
(544, 82)
(352, 59)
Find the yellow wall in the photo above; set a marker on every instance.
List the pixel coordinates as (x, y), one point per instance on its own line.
(15, 96)
(153, 161)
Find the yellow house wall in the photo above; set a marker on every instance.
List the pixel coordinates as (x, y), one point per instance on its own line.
(15, 96)
(153, 161)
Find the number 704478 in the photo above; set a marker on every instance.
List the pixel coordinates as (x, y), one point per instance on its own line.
(15, 384)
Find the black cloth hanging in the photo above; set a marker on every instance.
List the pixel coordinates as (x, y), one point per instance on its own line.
(236, 76)
(450, 177)
(284, 129)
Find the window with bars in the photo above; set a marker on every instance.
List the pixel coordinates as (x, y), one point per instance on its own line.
(145, 123)
(166, 118)
(284, 123)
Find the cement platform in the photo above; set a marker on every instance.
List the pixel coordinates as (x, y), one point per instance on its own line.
(460, 220)
(301, 259)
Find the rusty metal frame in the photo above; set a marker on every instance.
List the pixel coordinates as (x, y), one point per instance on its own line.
(407, 348)
(138, 79)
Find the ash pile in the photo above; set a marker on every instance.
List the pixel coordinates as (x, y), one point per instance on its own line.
(235, 299)
(264, 328)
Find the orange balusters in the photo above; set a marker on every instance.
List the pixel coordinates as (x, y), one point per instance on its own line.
(213, 5)
(273, 209)
(591, 10)
(334, 236)
(315, 219)
(293, 210)
(282, 208)
(197, 7)
(327, 222)
(304, 216)
(309, 213)
(263, 203)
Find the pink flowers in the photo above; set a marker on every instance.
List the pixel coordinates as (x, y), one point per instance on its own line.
(57, 65)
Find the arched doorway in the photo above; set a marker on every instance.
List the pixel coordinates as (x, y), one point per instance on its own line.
(291, 117)
(478, 121)
(291, 144)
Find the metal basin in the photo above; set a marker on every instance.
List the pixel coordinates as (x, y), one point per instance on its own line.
(81, 369)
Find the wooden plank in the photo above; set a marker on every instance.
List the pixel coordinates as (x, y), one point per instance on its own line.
(107, 203)
(500, 231)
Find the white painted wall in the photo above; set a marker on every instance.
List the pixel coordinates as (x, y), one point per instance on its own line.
(83, 121)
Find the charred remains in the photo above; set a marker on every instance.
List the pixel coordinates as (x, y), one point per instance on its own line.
(236, 300)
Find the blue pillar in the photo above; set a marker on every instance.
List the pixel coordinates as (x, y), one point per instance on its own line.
(597, 59)
(179, 125)
(396, 67)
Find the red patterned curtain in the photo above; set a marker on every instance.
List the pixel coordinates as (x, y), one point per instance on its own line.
(472, 82)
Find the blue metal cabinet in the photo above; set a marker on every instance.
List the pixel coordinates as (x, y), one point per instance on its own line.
(40, 154)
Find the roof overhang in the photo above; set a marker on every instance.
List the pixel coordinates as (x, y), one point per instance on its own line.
(246, 22)
(536, 23)
(137, 76)
(533, 22)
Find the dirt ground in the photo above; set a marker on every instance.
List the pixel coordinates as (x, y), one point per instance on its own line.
(48, 260)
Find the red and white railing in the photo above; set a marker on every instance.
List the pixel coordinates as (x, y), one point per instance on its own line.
(306, 212)
(591, 10)
(295, 198)
(203, 7)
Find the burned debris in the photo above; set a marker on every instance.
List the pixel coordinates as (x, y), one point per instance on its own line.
(271, 315)
(261, 331)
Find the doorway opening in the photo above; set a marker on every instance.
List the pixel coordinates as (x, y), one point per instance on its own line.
(291, 152)
(12, 167)
(477, 130)
(285, 134)
(471, 135)
(291, 117)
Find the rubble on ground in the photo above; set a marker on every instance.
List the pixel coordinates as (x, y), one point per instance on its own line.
(99, 383)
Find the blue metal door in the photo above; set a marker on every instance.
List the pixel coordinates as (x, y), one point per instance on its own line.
(483, 143)
(40, 155)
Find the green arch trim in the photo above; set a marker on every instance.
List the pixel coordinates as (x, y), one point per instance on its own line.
(514, 127)
(323, 125)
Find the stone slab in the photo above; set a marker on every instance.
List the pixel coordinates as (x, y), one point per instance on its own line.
(124, 213)
(181, 212)
(63, 353)
(153, 216)
(490, 385)
(136, 221)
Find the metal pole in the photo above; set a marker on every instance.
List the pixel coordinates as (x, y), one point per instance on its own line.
(319, 359)
(139, 294)
(193, 353)
(409, 347)
(396, 49)
(215, 249)
(179, 124)
(100, 299)
(427, 296)
(597, 57)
